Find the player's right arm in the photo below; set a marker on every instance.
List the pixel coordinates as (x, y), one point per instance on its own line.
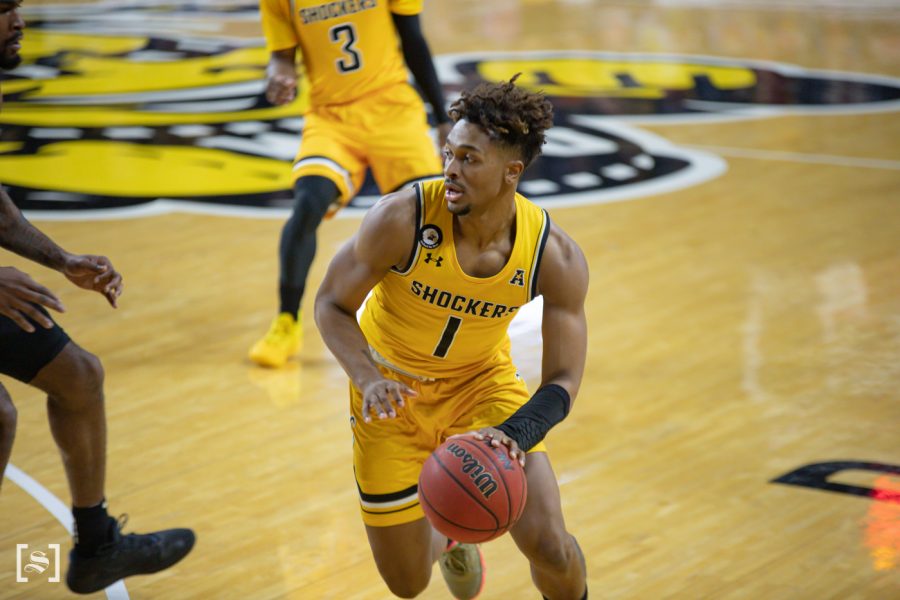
(282, 42)
(383, 241)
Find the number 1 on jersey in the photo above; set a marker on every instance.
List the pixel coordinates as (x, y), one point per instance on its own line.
(447, 337)
(346, 33)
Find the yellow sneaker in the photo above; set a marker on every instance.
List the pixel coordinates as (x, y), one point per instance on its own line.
(462, 566)
(283, 340)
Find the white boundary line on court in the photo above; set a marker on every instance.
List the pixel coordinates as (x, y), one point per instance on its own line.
(60, 511)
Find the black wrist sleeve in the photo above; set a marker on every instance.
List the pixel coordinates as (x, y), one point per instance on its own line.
(418, 60)
(533, 420)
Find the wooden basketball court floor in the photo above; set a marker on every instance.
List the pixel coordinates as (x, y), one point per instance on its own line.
(741, 328)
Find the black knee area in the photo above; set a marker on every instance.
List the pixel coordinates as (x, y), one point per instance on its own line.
(313, 195)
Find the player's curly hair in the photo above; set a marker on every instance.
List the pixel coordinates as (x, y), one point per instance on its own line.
(510, 115)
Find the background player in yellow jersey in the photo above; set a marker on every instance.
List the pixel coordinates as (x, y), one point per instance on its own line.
(448, 263)
(363, 114)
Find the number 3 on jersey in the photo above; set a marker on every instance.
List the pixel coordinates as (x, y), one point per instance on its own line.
(346, 34)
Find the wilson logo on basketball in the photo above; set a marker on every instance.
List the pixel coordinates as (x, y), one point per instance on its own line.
(475, 470)
(469, 499)
(149, 124)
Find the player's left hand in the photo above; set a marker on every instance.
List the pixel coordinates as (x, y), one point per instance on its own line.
(94, 273)
(497, 438)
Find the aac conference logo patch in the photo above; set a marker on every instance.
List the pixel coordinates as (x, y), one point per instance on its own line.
(132, 125)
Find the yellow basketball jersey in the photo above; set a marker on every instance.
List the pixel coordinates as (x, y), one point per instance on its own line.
(434, 320)
(349, 48)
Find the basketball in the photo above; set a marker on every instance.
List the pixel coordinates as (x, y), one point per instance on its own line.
(471, 491)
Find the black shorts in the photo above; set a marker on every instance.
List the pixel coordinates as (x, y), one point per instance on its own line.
(23, 354)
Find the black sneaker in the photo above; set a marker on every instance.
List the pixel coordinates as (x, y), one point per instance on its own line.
(127, 555)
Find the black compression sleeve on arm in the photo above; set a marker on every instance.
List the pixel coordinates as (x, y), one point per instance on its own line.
(533, 420)
(418, 59)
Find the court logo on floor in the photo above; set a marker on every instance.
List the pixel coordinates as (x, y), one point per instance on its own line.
(35, 563)
(164, 120)
(596, 152)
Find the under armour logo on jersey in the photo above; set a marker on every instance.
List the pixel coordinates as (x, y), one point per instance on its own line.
(519, 278)
(437, 261)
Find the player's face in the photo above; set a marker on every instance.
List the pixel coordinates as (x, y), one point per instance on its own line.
(475, 168)
(11, 26)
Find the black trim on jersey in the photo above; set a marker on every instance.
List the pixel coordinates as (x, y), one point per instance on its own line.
(420, 210)
(387, 512)
(379, 498)
(538, 254)
(414, 181)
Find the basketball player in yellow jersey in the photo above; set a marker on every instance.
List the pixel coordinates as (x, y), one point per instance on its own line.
(363, 113)
(448, 264)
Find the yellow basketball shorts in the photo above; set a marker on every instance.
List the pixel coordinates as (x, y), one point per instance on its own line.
(388, 454)
(387, 132)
